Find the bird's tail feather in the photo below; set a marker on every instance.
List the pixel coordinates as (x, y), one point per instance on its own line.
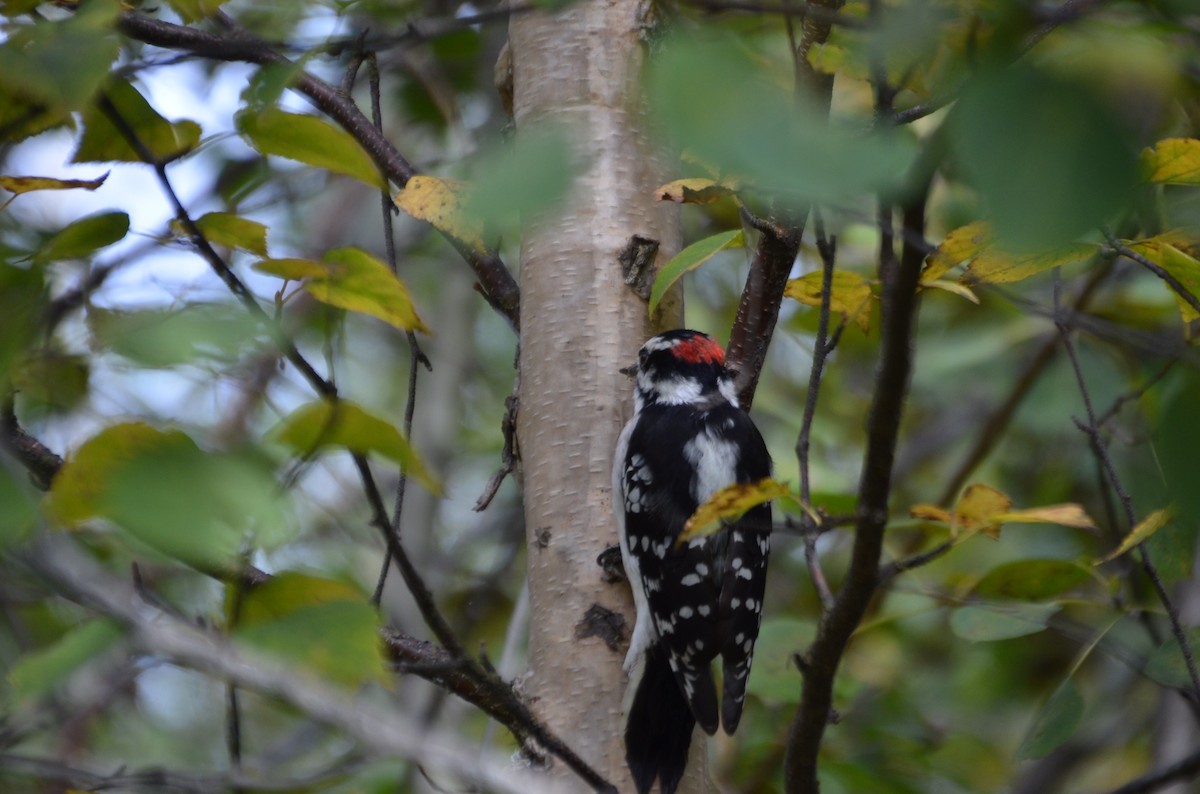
(659, 729)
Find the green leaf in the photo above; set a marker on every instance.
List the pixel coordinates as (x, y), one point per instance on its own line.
(1031, 580)
(519, 182)
(338, 640)
(980, 623)
(352, 279)
(103, 142)
(192, 10)
(1055, 723)
(165, 492)
(748, 123)
(52, 379)
(37, 673)
(232, 231)
(288, 591)
(18, 508)
(774, 677)
(1077, 165)
(168, 337)
(691, 258)
(323, 424)
(76, 491)
(1176, 439)
(311, 141)
(21, 117)
(84, 236)
(58, 65)
(1166, 664)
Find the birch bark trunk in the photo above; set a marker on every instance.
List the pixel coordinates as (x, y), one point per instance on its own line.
(580, 323)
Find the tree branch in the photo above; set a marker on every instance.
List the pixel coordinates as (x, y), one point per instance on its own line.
(58, 558)
(900, 304)
(496, 283)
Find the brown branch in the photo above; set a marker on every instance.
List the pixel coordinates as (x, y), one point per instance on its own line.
(1100, 449)
(823, 657)
(821, 349)
(41, 462)
(496, 283)
(59, 559)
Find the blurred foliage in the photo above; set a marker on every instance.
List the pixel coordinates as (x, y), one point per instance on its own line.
(1034, 650)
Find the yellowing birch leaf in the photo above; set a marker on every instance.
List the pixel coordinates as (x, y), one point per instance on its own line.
(961, 290)
(352, 279)
(1172, 161)
(697, 190)
(928, 512)
(291, 269)
(232, 231)
(849, 295)
(960, 245)
(1145, 528)
(324, 423)
(1066, 515)
(440, 204)
(1173, 253)
(995, 266)
(977, 508)
(729, 504)
(28, 184)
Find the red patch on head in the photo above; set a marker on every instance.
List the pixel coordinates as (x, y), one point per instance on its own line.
(699, 350)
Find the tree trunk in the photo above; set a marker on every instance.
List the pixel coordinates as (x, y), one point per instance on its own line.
(580, 323)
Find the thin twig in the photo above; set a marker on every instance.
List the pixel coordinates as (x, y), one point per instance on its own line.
(496, 282)
(827, 246)
(1100, 449)
(1172, 282)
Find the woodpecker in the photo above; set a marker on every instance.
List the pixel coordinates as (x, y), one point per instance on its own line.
(703, 599)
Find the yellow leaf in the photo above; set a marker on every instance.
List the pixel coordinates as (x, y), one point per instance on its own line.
(1173, 161)
(1067, 515)
(325, 423)
(28, 184)
(697, 190)
(1145, 528)
(1173, 252)
(728, 504)
(960, 245)
(440, 204)
(996, 266)
(291, 269)
(961, 290)
(928, 512)
(849, 295)
(286, 592)
(978, 507)
(352, 279)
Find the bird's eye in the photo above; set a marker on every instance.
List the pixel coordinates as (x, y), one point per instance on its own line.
(642, 356)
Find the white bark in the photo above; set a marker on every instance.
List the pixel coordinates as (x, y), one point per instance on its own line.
(580, 323)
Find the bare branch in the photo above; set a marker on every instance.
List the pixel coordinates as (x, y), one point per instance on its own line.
(1100, 449)
(496, 283)
(59, 559)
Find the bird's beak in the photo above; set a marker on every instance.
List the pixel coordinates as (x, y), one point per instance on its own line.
(630, 372)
